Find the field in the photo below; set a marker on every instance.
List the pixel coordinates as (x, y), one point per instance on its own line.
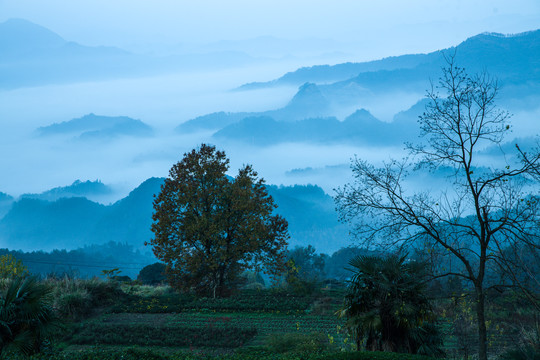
(113, 320)
(170, 322)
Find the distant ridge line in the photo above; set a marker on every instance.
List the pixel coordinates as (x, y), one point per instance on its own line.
(508, 35)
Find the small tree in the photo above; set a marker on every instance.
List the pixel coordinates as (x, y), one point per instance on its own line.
(386, 307)
(11, 267)
(309, 264)
(468, 226)
(153, 274)
(209, 228)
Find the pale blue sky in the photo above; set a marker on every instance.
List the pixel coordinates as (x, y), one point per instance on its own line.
(383, 27)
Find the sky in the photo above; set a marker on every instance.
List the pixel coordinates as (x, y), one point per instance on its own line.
(380, 28)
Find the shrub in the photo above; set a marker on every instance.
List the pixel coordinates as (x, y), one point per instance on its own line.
(153, 274)
(11, 267)
(76, 298)
(75, 304)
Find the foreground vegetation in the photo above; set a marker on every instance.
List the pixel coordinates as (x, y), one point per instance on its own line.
(108, 319)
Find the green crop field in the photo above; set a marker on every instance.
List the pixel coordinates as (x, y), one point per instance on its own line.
(110, 320)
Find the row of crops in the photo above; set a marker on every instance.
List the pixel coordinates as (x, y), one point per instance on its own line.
(183, 322)
(246, 301)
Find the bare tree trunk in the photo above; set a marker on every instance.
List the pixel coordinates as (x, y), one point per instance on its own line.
(482, 330)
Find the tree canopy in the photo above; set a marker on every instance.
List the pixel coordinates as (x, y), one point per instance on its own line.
(209, 228)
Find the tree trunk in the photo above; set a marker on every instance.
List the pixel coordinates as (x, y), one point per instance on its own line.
(482, 330)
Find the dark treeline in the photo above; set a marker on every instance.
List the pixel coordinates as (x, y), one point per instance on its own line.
(85, 262)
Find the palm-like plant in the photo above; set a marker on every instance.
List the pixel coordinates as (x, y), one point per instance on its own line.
(386, 307)
(26, 316)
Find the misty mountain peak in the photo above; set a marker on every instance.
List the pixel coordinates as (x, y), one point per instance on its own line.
(309, 99)
(18, 36)
(309, 91)
(362, 116)
(79, 188)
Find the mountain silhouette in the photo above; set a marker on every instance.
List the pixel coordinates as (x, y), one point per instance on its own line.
(79, 188)
(73, 222)
(513, 58)
(93, 126)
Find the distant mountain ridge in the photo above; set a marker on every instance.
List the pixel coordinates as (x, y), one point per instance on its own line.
(78, 188)
(307, 102)
(93, 126)
(22, 38)
(359, 128)
(325, 91)
(72, 222)
(5, 203)
(513, 58)
(32, 55)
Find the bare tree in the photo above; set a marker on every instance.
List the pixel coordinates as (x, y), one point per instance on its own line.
(485, 216)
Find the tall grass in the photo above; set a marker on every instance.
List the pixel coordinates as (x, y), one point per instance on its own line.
(75, 298)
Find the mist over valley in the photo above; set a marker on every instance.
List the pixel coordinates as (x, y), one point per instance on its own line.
(298, 111)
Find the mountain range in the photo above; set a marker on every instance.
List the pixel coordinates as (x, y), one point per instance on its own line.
(88, 189)
(307, 119)
(315, 113)
(513, 58)
(74, 221)
(33, 55)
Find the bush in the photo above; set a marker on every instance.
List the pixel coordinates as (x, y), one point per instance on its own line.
(10, 267)
(103, 292)
(75, 304)
(153, 274)
(76, 298)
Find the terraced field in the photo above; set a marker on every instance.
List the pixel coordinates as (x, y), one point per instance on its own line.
(211, 325)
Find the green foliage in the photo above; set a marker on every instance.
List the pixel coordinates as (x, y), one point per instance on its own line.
(76, 298)
(26, 315)
(151, 335)
(386, 307)
(334, 264)
(209, 229)
(98, 353)
(153, 274)
(295, 283)
(305, 269)
(111, 273)
(11, 267)
(309, 265)
(75, 304)
(244, 300)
